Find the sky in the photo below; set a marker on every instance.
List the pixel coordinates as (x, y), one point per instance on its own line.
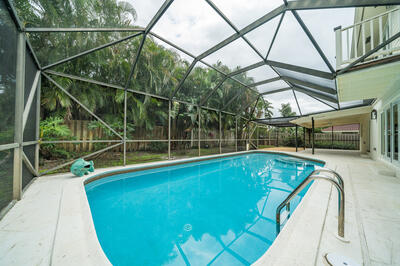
(194, 26)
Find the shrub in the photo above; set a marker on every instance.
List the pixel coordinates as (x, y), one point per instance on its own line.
(158, 146)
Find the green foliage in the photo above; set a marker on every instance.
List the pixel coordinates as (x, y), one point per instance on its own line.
(286, 110)
(53, 128)
(342, 145)
(159, 71)
(158, 146)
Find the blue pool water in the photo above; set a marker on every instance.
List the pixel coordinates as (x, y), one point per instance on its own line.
(219, 212)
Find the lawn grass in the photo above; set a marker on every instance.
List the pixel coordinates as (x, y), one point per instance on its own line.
(265, 146)
(113, 159)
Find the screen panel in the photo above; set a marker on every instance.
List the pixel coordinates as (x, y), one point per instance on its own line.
(200, 82)
(192, 25)
(147, 118)
(228, 137)
(160, 68)
(110, 65)
(235, 10)
(286, 46)
(64, 119)
(51, 47)
(8, 53)
(283, 104)
(78, 14)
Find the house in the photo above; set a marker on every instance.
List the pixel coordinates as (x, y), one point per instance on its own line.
(343, 129)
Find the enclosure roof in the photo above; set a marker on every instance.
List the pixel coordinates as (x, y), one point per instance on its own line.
(279, 121)
(279, 51)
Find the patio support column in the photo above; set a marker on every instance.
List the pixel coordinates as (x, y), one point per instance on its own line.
(19, 110)
(169, 129)
(236, 134)
(296, 138)
(199, 121)
(313, 135)
(304, 138)
(220, 133)
(332, 138)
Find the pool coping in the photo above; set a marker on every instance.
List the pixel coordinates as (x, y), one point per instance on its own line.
(94, 250)
(155, 165)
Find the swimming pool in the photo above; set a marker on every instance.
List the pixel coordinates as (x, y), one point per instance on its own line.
(220, 211)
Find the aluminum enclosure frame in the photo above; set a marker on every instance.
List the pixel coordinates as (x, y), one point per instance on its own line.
(137, 32)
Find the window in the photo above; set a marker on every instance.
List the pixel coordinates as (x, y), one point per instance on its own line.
(388, 133)
(396, 132)
(383, 133)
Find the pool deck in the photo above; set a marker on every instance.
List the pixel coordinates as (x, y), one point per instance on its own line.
(51, 225)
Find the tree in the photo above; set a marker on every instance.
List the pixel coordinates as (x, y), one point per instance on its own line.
(286, 110)
(159, 71)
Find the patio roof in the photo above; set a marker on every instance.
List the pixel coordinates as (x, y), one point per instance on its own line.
(335, 118)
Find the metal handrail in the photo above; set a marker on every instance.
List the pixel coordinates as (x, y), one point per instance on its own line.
(330, 171)
(341, 199)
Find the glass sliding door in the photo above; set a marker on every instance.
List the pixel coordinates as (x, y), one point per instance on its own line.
(388, 134)
(383, 134)
(390, 138)
(395, 132)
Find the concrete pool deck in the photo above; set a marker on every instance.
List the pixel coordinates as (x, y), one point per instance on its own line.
(52, 225)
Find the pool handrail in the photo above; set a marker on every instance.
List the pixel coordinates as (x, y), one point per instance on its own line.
(313, 176)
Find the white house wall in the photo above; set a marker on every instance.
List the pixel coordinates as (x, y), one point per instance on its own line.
(392, 95)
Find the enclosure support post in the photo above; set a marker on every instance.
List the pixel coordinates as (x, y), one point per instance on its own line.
(220, 134)
(19, 109)
(269, 136)
(257, 135)
(313, 135)
(169, 129)
(236, 134)
(125, 111)
(199, 120)
(248, 137)
(332, 138)
(277, 136)
(37, 146)
(296, 137)
(304, 137)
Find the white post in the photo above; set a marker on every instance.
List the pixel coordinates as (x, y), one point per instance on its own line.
(19, 110)
(37, 146)
(169, 129)
(236, 133)
(371, 30)
(125, 113)
(339, 57)
(199, 121)
(220, 133)
(363, 37)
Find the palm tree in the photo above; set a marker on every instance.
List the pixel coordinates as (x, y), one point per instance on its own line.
(286, 110)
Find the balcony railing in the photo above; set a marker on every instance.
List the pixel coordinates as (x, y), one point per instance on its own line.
(364, 37)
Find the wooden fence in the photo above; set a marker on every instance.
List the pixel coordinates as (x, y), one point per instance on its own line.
(80, 130)
(322, 140)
